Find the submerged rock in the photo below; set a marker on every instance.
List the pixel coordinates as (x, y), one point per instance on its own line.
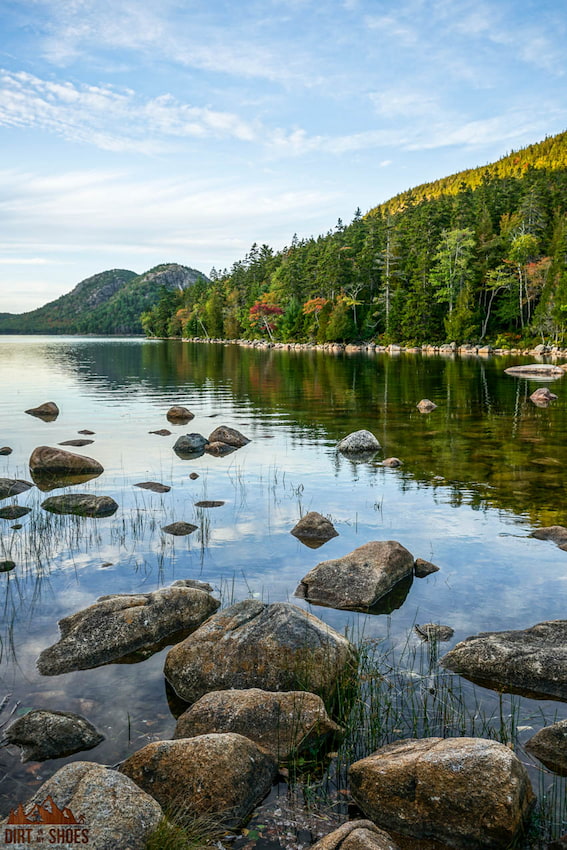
(154, 486)
(14, 512)
(462, 792)
(218, 449)
(314, 528)
(549, 745)
(81, 504)
(122, 624)
(13, 487)
(5, 450)
(532, 661)
(356, 835)
(223, 776)
(281, 723)
(162, 432)
(426, 405)
(48, 411)
(358, 441)
(180, 415)
(116, 812)
(179, 529)
(277, 647)
(209, 503)
(358, 580)
(392, 462)
(50, 461)
(230, 436)
(7, 566)
(52, 734)
(86, 431)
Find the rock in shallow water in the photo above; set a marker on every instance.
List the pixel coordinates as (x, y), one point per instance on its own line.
(229, 436)
(358, 580)
(221, 775)
(281, 723)
(314, 527)
(13, 487)
(52, 734)
(179, 529)
(531, 661)
(48, 411)
(81, 504)
(114, 812)
(13, 512)
(463, 792)
(118, 625)
(51, 461)
(358, 441)
(356, 835)
(277, 647)
(549, 745)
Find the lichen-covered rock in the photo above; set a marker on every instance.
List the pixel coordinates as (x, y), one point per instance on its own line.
(426, 405)
(52, 461)
(224, 775)
(549, 745)
(179, 414)
(356, 835)
(52, 734)
(230, 436)
(314, 527)
(358, 580)
(282, 723)
(81, 504)
(121, 624)
(277, 647)
(48, 411)
(113, 811)
(530, 661)
(358, 441)
(13, 487)
(462, 792)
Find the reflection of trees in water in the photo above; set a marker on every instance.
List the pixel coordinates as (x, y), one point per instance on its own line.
(486, 441)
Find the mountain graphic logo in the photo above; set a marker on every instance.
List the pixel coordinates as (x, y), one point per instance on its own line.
(47, 812)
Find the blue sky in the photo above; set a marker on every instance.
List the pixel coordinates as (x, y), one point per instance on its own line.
(136, 132)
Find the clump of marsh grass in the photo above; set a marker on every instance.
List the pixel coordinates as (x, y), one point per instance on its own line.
(179, 830)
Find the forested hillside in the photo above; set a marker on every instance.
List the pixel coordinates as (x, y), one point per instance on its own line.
(107, 303)
(478, 256)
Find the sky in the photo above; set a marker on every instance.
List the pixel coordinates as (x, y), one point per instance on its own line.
(138, 132)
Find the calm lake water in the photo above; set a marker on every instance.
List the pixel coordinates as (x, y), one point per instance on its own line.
(479, 474)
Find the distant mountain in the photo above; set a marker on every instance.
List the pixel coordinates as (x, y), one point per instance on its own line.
(107, 303)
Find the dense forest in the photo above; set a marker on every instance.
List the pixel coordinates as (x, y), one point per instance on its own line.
(480, 256)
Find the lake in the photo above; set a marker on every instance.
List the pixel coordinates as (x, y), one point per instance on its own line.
(479, 474)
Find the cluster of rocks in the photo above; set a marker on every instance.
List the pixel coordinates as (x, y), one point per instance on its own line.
(445, 348)
(221, 441)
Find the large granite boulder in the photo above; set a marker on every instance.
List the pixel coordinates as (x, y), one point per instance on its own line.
(46, 460)
(81, 504)
(13, 487)
(536, 370)
(358, 441)
(52, 734)
(119, 625)
(103, 809)
(531, 661)
(47, 411)
(229, 436)
(462, 792)
(277, 647)
(356, 835)
(549, 745)
(224, 775)
(281, 723)
(358, 580)
(313, 529)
